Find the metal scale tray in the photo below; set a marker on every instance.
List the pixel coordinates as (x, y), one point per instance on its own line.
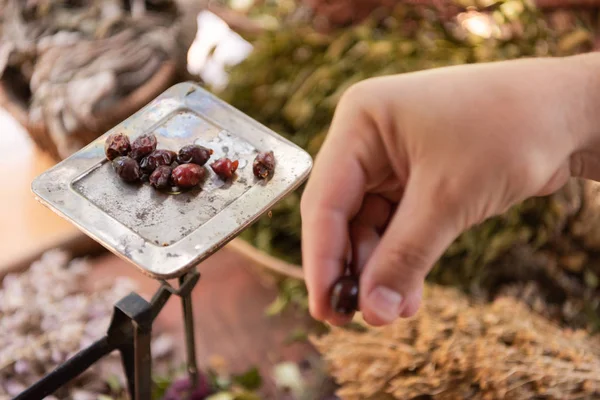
(166, 235)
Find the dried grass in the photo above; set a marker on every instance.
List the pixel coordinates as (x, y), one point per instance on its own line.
(455, 349)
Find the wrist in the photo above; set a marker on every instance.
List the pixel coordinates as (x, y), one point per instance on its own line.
(588, 68)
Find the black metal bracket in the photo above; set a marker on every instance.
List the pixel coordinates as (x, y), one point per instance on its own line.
(130, 333)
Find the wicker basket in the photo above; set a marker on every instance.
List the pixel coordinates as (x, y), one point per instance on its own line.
(15, 102)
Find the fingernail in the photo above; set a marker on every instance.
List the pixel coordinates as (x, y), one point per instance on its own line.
(385, 303)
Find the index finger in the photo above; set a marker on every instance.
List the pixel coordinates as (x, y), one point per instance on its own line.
(332, 197)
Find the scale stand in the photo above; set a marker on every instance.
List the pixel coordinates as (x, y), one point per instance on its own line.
(130, 333)
(165, 235)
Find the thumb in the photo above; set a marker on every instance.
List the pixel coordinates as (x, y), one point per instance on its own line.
(424, 225)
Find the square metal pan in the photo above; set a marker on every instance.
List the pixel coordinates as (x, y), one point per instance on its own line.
(165, 235)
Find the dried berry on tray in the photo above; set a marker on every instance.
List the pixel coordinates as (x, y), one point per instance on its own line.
(187, 175)
(142, 146)
(225, 168)
(162, 168)
(264, 165)
(116, 145)
(127, 169)
(194, 154)
(161, 177)
(157, 158)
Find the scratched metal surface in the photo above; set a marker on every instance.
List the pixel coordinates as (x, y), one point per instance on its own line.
(162, 234)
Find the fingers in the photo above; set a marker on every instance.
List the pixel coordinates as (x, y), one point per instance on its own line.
(585, 165)
(418, 234)
(367, 227)
(331, 198)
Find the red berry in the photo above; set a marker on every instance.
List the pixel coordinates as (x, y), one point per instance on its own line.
(116, 145)
(344, 295)
(157, 158)
(142, 146)
(225, 168)
(187, 175)
(161, 177)
(264, 165)
(194, 154)
(127, 169)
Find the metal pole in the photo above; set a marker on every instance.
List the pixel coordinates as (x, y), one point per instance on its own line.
(129, 332)
(68, 371)
(190, 341)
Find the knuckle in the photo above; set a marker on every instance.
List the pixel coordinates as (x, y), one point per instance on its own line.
(447, 195)
(409, 259)
(356, 94)
(453, 203)
(528, 168)
(528, 173)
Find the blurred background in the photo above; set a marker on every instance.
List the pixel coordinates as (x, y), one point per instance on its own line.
(72, 69)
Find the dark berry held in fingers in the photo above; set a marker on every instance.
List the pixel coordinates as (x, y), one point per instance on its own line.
(194, 154)
(344, 295)
(127, 169)
(161, 177)
(117, 145)
(142, 146)
(264, 165)
(187, 175)
(224, 167)
(156, 159)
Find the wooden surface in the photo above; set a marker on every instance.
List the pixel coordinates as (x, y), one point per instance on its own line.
(229, 308)
(26, 227)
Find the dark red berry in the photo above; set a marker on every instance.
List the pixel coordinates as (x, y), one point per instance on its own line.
(194, 154)
(264, 165)
(344, 295)
(142, 146)
(157, 158)
(224, 167)
(117, 145)
(187, 175)
(127, 169)
(161, 177)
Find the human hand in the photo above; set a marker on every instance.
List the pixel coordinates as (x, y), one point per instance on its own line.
(413, 160)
